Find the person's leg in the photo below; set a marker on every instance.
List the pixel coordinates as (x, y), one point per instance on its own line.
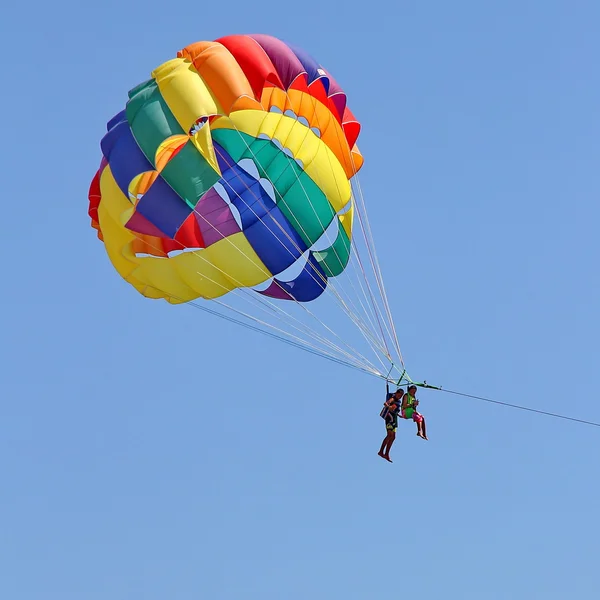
(420, 421)
(384, 443)
(384, 451)
(391, 438)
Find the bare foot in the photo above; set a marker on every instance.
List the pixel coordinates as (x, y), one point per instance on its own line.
(388, 458)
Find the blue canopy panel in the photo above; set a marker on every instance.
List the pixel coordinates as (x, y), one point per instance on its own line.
(307, 286)
(123, 154)
(275, 241)
(244, 191)
(268, 231)
(163, 207)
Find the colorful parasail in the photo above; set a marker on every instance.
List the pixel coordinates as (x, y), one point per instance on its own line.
(230, 168)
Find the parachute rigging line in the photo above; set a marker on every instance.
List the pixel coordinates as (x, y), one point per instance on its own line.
(370, 245)
(351, 360)
(301, 344)
(331, 288)
(315, 275)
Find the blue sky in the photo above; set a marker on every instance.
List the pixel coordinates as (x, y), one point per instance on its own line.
(151, 451)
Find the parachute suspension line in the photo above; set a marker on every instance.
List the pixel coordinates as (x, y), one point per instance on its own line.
(372, 313)
(369, 311)
(356, 249)
(259, 321)
(301, 346)
(330, 285)
(370, 244)
(373, 303)
(359, 268)
(373, 265)
(366, 306)
(326, 285)
(378, 269)
(284, 315)
(276, 308)
(251, 296)
(367, 233)
(371, 248)
(351, 358)
(284, 340)
(389, 372)
(298, 303)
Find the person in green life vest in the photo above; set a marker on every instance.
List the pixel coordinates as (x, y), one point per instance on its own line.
(409, 411)
(391, 410)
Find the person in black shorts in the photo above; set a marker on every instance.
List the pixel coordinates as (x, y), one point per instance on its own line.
(390, 413)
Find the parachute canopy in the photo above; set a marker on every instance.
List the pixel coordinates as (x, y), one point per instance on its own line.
(225, 170)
